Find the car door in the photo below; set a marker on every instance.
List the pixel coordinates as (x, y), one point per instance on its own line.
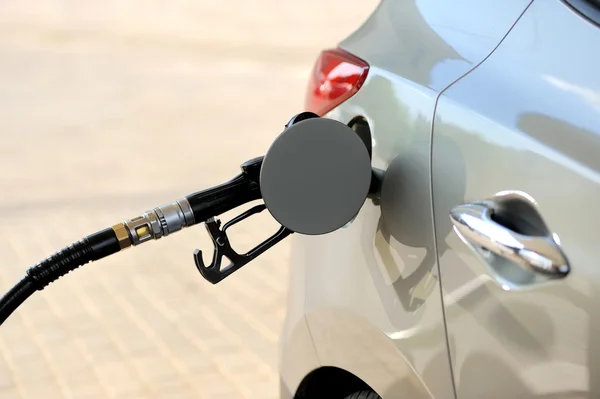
(516, 188)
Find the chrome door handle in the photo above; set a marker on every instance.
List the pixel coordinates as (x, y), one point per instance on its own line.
(474, 223)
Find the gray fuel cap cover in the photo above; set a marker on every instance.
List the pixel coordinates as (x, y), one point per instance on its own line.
(315, 176)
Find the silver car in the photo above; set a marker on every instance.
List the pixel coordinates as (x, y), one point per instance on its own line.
(472, 272)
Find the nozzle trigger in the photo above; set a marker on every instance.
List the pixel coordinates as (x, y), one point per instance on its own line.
(214, 272)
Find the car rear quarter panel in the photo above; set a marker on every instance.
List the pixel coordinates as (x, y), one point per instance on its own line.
(367, 296)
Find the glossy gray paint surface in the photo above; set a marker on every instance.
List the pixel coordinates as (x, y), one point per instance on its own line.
(526, 121)
(431, 43)
(367, 298)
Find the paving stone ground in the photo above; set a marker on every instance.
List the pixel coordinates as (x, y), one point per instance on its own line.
(110, 108)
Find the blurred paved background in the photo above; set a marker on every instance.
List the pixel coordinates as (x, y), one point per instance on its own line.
(110, 108)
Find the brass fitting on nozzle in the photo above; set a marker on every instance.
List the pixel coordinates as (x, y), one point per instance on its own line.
(122, 235)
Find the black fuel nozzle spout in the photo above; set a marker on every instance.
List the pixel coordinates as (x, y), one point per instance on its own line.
(242, 189)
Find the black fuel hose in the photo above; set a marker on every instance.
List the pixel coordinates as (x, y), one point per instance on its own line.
(151, 225)
(91, 248)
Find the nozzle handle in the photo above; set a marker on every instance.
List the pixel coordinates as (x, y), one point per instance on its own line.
(222, 198)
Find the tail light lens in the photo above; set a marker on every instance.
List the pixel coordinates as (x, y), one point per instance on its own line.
(336, 76)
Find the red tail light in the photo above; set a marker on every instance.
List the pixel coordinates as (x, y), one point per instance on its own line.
(336, 76)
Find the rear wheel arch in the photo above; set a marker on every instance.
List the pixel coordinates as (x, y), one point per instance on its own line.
(329, 382)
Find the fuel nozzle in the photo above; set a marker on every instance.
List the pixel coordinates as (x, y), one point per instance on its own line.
(313, 179)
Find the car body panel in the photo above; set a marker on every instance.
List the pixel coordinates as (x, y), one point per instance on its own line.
(375, 283)
(525, 121)
(367, 353)
(433, 42)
